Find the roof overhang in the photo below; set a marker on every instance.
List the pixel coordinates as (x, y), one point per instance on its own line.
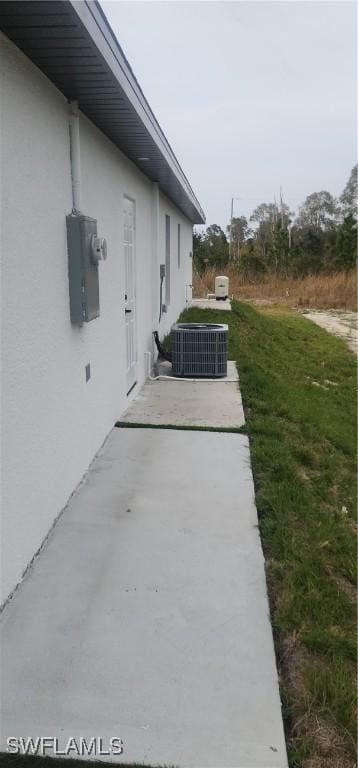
(73, 44)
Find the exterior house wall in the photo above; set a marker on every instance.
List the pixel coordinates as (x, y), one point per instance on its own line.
(180, 278)
(53, 422)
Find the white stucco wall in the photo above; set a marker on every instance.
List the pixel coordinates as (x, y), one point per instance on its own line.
(52, 421)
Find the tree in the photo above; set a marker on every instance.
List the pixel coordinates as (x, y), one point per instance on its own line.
(307, 253)
(345, 252)
(239, 232)
(323, 237)
(251, 261)
(319, 210)
(272, 235)
(348, 199)
(210, 248)
(280, 245)
(264, 216)
(264, 212)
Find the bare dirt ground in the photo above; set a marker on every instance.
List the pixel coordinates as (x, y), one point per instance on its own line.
(342, 324)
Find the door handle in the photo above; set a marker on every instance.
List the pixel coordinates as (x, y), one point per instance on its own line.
(127, 311)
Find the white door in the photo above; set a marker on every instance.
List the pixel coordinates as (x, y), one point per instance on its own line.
(130, 292)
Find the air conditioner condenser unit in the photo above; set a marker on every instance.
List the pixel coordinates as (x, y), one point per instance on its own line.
(199, 349)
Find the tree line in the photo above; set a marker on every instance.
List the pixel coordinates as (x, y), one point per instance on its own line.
(322, 237)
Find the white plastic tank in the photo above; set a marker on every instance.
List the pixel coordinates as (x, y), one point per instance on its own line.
(221, 287)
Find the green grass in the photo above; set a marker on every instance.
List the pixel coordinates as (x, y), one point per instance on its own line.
(298, 388)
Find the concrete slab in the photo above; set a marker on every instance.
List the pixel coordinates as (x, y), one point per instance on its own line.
(342, 324)
(164, 368)
(194, 403)
(211, 304)
(146, 616)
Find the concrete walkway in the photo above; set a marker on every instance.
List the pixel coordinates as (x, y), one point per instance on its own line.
(145, 616)
(342, 324)
(211, 304)
(198, 402)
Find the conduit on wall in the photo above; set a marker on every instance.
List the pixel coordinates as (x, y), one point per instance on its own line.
(75, 158)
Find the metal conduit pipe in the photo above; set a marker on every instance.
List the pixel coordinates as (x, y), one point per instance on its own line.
(75, 156)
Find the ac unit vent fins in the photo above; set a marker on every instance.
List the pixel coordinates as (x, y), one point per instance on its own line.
(199, 349)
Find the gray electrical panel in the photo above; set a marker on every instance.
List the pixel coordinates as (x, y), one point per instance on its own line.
(82, 268)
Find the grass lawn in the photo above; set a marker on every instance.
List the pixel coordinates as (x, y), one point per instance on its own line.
(298, 388)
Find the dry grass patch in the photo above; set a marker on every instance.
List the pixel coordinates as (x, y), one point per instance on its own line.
(312, 740)
(337, 291)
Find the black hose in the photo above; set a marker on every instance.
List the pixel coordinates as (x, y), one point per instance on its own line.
(160, 348)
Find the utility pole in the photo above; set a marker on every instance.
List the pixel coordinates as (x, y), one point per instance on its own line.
(231, 218)
(231, 255)
(275, 209)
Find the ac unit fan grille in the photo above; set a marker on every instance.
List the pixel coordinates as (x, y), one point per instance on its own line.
(199, 349)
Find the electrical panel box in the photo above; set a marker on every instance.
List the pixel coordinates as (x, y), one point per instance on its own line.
(82, 268)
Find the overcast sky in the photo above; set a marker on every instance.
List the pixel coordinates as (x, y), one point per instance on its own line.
(251, 95)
